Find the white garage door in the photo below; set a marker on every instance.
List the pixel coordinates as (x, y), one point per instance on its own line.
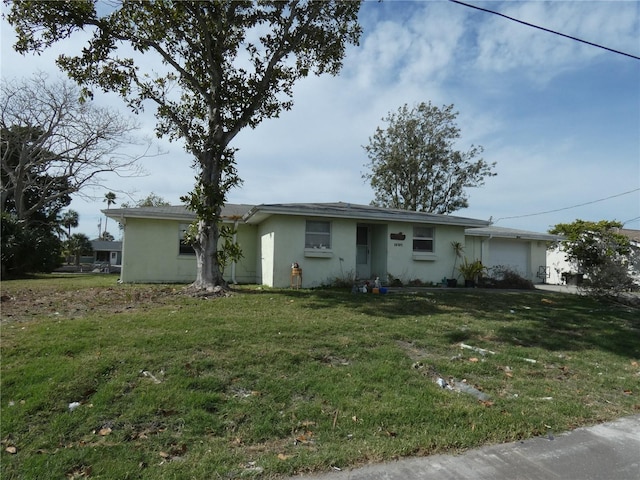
(509, 253)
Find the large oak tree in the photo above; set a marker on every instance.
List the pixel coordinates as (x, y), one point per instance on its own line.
(414, 163)
(222, 66)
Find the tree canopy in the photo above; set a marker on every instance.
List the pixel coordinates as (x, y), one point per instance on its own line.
(77, 245)
(225, 65)
(600, 252)
(55, 145)
(70, 219)
(414, 164)
(151, 200)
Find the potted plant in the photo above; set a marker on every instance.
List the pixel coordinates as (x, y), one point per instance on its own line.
(471, 271)
(457, 250)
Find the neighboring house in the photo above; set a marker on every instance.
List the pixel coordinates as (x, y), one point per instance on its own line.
(329, 241)
(105, 252)
(564, 271)
(560, 268)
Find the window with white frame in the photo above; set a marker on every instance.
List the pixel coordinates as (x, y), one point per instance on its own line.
(423, 239)
(183, 247)
(317, 234)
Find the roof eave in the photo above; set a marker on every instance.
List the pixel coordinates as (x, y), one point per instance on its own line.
(261, 212)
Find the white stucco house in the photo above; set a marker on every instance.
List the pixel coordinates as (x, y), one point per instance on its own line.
(329, 241)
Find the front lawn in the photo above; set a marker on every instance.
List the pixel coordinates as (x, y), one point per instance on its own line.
(111, 381)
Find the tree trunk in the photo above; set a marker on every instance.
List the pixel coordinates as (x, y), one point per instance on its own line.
(210, 201)
(208, 274)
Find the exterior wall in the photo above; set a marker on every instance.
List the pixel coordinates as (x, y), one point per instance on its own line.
(528, 255)
(285, 238)
(108, 254)
(537, 259)
(150, 254)
(475, 248)
(559, 265)
(245, 269)
(283, 241)
(405, 264)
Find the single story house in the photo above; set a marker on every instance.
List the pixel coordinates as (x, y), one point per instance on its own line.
(107, 252)
(329, 242)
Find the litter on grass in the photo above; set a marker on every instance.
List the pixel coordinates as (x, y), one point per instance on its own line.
(463, 387)
(150, 375)
(481, 351)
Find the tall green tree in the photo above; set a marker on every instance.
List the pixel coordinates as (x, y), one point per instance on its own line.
(109, 199)
(28, 249)
(600, 252)
(70, 219)
(223, 66)
(78, 245)
(414, 164)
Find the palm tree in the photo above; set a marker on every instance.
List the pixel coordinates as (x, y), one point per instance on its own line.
(78, 245)
(110, 198)
(70, 220)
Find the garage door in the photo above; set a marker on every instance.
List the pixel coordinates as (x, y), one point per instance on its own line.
(509, 253)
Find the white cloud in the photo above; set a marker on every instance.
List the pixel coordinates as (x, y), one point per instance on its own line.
(505, 45)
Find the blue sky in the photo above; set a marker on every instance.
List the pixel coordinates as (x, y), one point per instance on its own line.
(560, 118)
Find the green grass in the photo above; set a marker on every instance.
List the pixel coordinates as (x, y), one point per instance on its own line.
(283, 382)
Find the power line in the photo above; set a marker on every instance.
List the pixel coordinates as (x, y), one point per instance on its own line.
(568, 208)
(545, 29)
(630, 220)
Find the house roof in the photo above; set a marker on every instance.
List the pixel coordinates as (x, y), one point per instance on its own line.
(106, 246)
(255, 214)
(230, 211)
(502, 232)
(633, 235)
(350, 210)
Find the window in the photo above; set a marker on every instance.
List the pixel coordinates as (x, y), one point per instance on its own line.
(423, 239)
(317, 235)
(183, 247)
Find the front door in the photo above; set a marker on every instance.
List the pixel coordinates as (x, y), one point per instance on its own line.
(363, 252)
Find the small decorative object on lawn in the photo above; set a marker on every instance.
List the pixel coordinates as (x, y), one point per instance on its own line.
(296, 275)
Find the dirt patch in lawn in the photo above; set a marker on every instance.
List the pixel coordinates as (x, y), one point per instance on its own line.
(25, 304)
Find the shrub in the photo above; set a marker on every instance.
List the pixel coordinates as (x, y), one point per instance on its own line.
(28, 249)
(609, 278)
(504, 277)
(394, 281)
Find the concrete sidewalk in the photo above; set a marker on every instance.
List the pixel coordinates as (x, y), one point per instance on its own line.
(557, 288)
(606, 451)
